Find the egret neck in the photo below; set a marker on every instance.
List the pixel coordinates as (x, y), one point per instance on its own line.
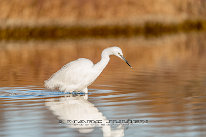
(104, 60)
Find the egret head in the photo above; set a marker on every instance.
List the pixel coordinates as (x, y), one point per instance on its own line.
(118, 52)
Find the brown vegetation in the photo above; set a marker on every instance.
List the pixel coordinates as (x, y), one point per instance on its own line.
(56, 32)
(99, 11)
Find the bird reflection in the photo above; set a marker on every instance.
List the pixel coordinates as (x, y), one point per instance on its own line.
(78, 108)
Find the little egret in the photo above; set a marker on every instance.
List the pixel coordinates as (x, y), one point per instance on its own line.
(79, 74)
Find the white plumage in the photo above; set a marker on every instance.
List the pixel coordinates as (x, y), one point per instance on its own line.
(79, 74)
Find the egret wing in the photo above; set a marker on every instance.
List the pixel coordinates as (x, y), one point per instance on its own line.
(70, 75)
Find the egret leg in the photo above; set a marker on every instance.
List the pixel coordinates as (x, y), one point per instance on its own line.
(67, 93)
(74, 92)
(85, 90)
(85, 93)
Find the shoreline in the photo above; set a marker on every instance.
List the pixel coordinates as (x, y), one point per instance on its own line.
(59, 32)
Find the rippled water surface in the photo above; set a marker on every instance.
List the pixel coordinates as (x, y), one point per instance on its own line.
(166, 90)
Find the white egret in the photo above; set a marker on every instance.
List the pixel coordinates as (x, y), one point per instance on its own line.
(79, 74)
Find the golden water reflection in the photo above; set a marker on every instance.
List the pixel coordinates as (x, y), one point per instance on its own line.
(167, 84)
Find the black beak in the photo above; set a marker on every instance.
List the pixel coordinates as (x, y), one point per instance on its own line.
(125, 61)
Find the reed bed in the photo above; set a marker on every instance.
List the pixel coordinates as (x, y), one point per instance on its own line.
(55, 32)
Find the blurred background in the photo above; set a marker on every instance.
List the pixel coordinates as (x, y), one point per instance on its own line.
(164, 40)
(37, 19)
(93, 12)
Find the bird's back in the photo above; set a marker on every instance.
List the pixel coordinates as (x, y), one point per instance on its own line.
(72, 76)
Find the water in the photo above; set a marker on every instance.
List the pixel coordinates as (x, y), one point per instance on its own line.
(166, 90)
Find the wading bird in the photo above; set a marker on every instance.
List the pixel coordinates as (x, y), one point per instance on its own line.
(79, 74)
